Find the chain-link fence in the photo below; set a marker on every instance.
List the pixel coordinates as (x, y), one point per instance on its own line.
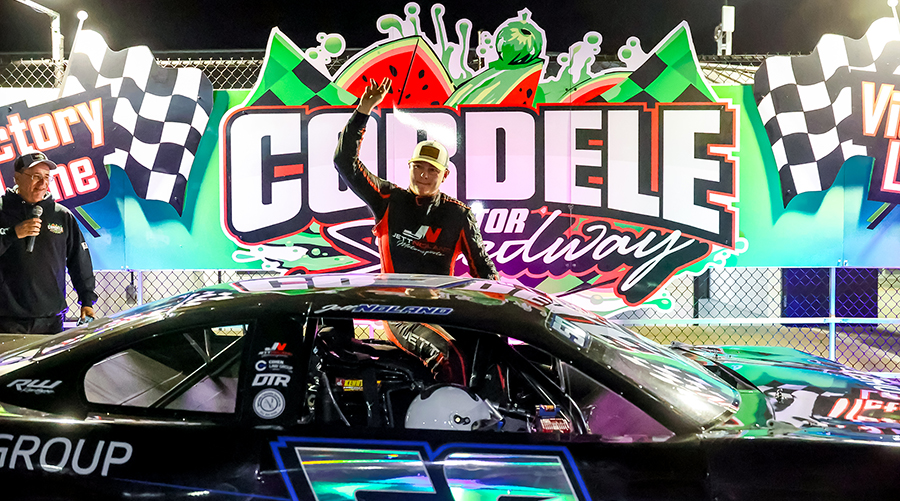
(846, 314)
(240, 69)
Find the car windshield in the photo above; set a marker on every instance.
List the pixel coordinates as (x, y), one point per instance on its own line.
(693, 392)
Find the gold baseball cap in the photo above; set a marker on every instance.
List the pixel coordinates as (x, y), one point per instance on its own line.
(432, 152)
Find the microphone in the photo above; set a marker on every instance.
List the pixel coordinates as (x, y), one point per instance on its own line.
(36, 212)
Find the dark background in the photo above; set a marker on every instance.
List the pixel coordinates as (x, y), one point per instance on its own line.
(762, 26)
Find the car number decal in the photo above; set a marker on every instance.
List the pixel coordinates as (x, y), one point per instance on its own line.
(333, 469)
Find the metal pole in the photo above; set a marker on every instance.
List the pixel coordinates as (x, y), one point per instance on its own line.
(56, 37)
(832, 300)
(140, 287)
(57, 51)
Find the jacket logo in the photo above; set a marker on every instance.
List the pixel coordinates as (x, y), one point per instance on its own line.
(55, 228)
(430, 234)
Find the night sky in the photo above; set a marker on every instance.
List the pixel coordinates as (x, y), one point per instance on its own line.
(763, 26)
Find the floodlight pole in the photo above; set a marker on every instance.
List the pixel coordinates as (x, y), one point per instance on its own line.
(725, 30)
(57, 40)
(56, 37)
(893, 5)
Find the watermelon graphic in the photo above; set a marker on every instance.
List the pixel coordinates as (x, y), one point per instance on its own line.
(418, 79)
(590, 91)
(507, 85)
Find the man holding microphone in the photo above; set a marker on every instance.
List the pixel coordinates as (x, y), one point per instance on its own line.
(39, 239)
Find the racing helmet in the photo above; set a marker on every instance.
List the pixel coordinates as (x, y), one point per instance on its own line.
(450, 407)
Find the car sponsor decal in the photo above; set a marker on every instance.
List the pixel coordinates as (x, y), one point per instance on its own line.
(339, 470)
(386, 308)
(570, 329)
(38, 386)
(276, 350)
(261, 365)
(278, 365)
(349, 384)
(268, 404)
(266, 379)
(58, 453)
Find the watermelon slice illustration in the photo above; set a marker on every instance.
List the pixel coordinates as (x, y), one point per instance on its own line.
(590, 91)
(508, 85)
(418, 79)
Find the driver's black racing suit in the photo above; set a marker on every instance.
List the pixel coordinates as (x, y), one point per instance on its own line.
(415, 235)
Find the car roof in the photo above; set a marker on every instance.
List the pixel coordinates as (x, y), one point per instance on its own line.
(460, 300)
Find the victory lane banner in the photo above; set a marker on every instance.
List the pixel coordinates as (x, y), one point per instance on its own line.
(116, 108)
(71, 131)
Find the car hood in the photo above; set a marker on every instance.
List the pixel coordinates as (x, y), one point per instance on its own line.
(814, 397)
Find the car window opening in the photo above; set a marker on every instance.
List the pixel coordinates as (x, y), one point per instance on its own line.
(359, 378)
(194, 371)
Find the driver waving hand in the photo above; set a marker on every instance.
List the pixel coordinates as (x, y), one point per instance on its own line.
(418, 229)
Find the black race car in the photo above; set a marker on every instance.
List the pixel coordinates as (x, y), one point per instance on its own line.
(375, 387)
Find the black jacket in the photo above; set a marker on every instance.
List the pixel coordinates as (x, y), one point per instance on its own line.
(33, 284)
(415, 234)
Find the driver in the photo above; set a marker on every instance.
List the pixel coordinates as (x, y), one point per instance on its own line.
(418, 229)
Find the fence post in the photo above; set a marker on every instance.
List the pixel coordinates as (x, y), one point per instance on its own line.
(140, 287)
(832, 300)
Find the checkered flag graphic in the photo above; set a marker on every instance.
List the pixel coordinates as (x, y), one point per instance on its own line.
(669, 75)
(288, 79)
(160, 113)
(806, 105)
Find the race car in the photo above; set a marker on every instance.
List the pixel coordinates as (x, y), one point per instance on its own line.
(375, 387)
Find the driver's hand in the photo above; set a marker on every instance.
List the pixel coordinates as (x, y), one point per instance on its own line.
(373, 95)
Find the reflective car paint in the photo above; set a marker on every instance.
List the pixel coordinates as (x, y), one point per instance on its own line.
(762, 448)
